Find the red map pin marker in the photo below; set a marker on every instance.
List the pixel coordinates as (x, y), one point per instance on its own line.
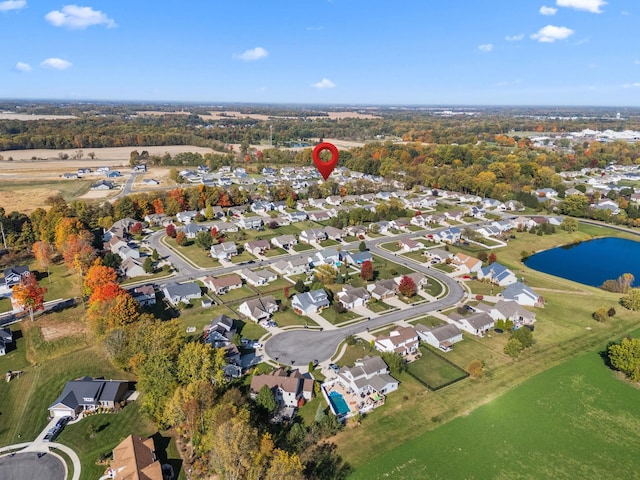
(325, 168)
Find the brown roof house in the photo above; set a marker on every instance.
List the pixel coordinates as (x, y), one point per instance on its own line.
(402, 340)
(290, 389)
(88, 394)
(135, 459)
(222, 285)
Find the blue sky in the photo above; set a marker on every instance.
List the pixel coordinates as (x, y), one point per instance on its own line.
(482, 52)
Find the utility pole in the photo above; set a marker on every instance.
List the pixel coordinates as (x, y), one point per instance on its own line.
(4, 240)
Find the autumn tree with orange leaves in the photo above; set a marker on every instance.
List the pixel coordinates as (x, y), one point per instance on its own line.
(97, 276)
(28, 295)
(43, 251)
(77, 251)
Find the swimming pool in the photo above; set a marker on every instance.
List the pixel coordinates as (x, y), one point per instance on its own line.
(338, 402)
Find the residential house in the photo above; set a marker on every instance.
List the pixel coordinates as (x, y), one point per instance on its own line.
(382, 226)
(120, 229)
(384, 196)
(260, 207)
(313, 235)
(103, 185)
(296, 216)
(466, 264)
(251, 223)
(400, 224)
(224, 251)
(191, 230)
(181, 292)
(151, 181)
(259, 309)
(334, 200)
(113, 174)
(135, 459)
(357, 231)
(310, 302)
(421, 221)
(510, 310)
(87, 394)
(258, 278)
(493, 204)
(383, 289)
(284, 241)
(126, 252)
(335, 233)
(221, 285)
(237, 211)
(456, 215)
(219, 332)
(132, 267)
(477, 212)
(158, 219)
(290, 389)
(497, 273)
(292, 266)
(257, 247)
(357, 258)
(477, 323)
(449, 235)
(14, 275)
(70, 176)
(368, 375)
(522, 294)
(408, 245)
(317, 202)
(329, 256)
(418, 278)
(186, 217)
(546, 192)
(442, 337)
(319, 216)
(438, 255)
(6, 339)
(145, 295)
(352, 297)
(402, 340)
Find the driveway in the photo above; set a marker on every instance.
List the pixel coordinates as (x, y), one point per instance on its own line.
(31, 466)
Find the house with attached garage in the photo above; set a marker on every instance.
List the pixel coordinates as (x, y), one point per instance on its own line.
(328, 256)
(383, 289)
(353, 297)
(498, 274)
(437, 255)
(135, 459)
(181, 292)
(219, 332)
(259, 309)
(103, 185)
(296, 216)
(421, 221)
(442, 337)
(408, 245)
(258, 278)
(335, 233)
(418, 278)
(132, 267)
(224, 251)
(522, 294)
(313, 235)
(6, 339)
(465, 263)
(290, 389)
(257, 247)
(284, 241)
(193, 229)
(402, 340)
(310, 302)
(144, 294)
(477, 323)
(292, 266)
(158, 219)
(251, 223)
(368, 375)
(357, 258)
(509, 310)
(319, 216)
(14, 275)
(186, 217)
(87, 394)
(221, 285)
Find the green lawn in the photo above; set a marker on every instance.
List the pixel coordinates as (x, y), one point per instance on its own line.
(276, 285)
(576, 420)
(329, 243)
(274, 252)
(199, 317)
(242, 256)
(331, 316)
(5, 305)
(431, 369)
(60, 282)
(237, 294)
(434, 288)
(483, 288)
(386, 269)
(391, 246)
(195, 254)
(417, 256)
(428, 322)
(378, 306)
(302, 247)
(444, 267)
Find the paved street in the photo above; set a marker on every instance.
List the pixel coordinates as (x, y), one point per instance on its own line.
(31, 466)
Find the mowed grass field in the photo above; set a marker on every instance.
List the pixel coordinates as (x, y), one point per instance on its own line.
(577, 420)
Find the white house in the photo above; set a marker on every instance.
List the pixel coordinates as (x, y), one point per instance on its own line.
(289, 389)
(258, 278)
(224, 251)
(284, 241)
(310, 302)
(465, 263)
(293, 266)
(477, 323)
(257, 247)
(442, 337)
(259, 309)
(221, 285)
(498, 274)
(313, 235)
(368, 375)
(408, 245)
(402, 340)
(352, 297)
(522, 294)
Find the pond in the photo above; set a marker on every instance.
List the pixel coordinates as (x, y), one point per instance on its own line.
(592, 262)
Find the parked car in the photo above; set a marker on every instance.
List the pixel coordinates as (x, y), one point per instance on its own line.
(334, 367)
(257, 345)
(51, 434)
(63, 422)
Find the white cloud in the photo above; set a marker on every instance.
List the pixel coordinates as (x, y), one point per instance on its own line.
(12, 5)
(514, 38)
(253, 54)
(637, 62)
(632, 85)
(55, 64)
(78, 18)
(551, 33)
(23, 67)
(485, 48)
(548, 10)
(324, 83)
(592, 6)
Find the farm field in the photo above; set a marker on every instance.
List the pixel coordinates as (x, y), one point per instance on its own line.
(576, 420)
